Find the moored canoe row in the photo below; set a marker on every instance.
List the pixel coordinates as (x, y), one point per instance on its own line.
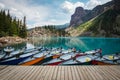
(81, 60)
(20, 57)
(71, 56)
(112, 59)
(59, 56)
(35, 59)
(17, 53)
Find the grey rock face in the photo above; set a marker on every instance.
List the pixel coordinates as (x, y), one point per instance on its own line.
(81, 15)
(116, 4)
(76, 18)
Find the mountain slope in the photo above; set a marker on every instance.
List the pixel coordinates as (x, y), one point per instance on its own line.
(64, 26)
(97, 11)
(76, 18)
(81, 15)
(107, 24)
(46, 31)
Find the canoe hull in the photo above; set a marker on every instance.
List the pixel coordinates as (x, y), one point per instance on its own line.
(57, 63)
(32, 62)
(15, 61)
(15, 55)
(47, 59)
(84, 63)
(95, 62)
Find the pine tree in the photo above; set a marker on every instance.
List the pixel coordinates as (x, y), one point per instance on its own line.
(10, 26)
(13, 29)
(23, 30)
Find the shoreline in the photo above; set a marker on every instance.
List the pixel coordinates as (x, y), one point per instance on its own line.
(8, 40)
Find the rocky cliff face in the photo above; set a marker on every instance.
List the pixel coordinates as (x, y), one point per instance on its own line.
(76, 18)
(46, 32)
(105, 24)
(39, 32)
(97, 11)
(116, 4)
(82, 15)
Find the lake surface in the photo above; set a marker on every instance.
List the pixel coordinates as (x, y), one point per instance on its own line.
(108, 45)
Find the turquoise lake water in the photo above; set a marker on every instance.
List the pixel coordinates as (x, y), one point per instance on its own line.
(108, 45)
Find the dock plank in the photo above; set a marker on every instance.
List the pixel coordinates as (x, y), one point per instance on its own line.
(60, 72)
(66, 76)
(40, 72)
(19, 73)
(54, 75)
(3, 67)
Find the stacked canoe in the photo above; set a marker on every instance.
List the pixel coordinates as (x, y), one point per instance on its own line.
(16, 57)
(57, 56)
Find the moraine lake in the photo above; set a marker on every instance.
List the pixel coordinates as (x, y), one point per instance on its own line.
(108, 45)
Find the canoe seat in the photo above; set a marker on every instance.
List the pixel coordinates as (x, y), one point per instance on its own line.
(88, 59)
(110, 57)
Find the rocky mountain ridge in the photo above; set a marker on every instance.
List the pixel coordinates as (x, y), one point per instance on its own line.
(46, 31)
(106, 24)
(76, 18)
(81, 15)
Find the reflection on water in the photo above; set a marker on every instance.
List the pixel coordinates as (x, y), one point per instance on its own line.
(108, 45)
(17, 46)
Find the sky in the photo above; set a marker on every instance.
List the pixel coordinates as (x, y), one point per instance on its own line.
(46, 12)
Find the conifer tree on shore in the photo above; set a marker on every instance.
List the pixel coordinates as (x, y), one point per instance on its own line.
(10, 26)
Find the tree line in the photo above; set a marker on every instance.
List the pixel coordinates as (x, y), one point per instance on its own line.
(10, 26)
(54, 30)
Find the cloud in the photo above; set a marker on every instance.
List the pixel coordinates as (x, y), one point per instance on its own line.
(16, 12)
(38, 14)
(104, 1)
(2, 6)
(69, 7)
(92, 3)
(21, 8)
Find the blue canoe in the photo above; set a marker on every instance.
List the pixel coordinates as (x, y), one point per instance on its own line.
(14, 61)
(18, 53)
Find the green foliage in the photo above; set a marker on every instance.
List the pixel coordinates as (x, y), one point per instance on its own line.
(54, 31)
(107, 21)
(2, 33)
(22, 32)
(10, 26)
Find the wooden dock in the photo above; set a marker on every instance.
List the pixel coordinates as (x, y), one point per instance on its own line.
(59, 72)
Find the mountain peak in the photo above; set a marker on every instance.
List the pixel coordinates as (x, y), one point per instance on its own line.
(81, 15)
(78, 10)
(76, 18)
(102, 21)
